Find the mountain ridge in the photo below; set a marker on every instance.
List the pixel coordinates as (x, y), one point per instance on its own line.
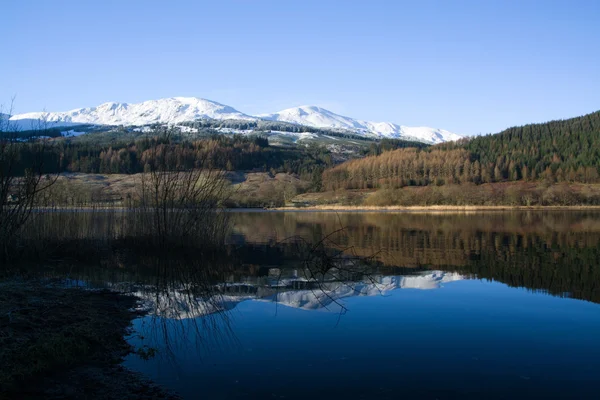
(322, 118)
(175, 110)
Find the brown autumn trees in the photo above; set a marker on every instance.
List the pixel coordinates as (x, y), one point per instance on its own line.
(404, 167)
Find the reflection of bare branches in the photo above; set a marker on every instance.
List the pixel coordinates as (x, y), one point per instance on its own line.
(328, 261)
(191, 301)
(186, 309)
(178, 212)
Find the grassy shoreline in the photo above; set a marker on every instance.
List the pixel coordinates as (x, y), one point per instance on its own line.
(58, 342)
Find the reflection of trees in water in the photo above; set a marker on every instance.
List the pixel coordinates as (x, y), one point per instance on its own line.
(268, 225)
(556, 252)
(424, 239)
(552, 251)
(560, 270)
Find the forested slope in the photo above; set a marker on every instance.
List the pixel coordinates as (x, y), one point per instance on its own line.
(556, 151)
(559, 150)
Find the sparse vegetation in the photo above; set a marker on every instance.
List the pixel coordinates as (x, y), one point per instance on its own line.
(178, 203)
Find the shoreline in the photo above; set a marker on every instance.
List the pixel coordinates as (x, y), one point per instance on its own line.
(434, 208)
(342, 208)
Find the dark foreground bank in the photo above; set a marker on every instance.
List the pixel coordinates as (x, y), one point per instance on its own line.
(58, 342)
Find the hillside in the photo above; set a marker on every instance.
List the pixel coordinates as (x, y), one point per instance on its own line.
(536, 164)
(558, 150)
(554, 152)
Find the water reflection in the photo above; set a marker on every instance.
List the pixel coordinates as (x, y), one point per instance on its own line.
(468, 339)
(293, 291)
(554, 252)
(265, 316)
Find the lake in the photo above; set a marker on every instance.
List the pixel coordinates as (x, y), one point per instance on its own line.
(466, 305)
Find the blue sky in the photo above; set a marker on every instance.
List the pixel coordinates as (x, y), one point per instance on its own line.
(467, 66)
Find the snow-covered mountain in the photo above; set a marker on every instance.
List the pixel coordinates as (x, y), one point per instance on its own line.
(322, 118)
(313, 116)
(36, 122)
(164, 111)
(183, 109)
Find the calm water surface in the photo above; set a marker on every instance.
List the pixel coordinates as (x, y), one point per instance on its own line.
(481, 305)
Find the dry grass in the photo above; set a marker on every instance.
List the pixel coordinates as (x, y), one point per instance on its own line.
(468, 197)
(113, 190)
(261, 189)
(77, 189)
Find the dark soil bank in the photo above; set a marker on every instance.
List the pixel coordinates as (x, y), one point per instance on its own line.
(62, 343)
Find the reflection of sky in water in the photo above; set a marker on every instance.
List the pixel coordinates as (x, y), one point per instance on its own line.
(472, 337)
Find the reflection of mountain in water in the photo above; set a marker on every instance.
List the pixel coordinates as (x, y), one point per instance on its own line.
(180, 305)
(331, 292)
(291, 292)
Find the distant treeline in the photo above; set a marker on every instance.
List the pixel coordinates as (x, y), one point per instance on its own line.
(557, 151)
(219, 151)
(224, 152)
(268, 126)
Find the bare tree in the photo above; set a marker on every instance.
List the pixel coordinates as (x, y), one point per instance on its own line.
(179, 202)
(22, 177)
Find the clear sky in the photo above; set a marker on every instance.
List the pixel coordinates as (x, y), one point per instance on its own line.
(467, 66)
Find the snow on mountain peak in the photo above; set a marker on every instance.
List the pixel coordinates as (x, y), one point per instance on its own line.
(312, 116)
(322, 118)
(176, 110)
(167, 111)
